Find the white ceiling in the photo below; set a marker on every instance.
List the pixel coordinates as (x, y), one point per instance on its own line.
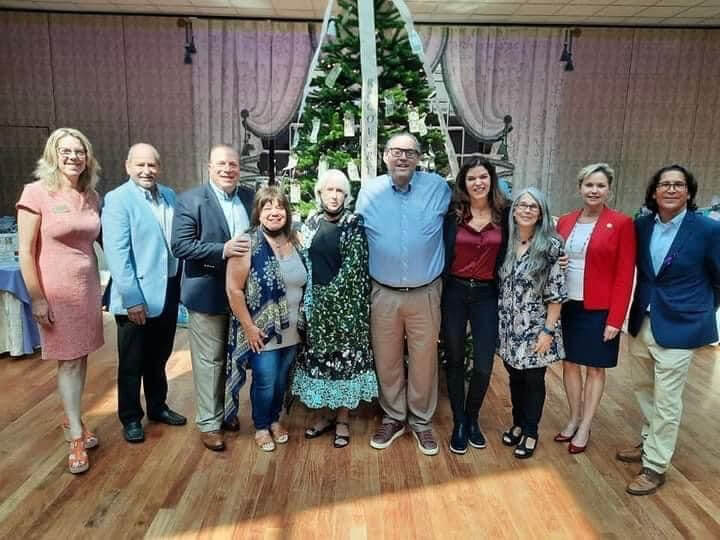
(599, 12)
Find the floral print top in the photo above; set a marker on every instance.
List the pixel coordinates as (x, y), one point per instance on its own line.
(522, 312)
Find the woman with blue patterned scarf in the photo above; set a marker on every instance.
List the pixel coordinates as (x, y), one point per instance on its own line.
(265, 290)
(337, 370)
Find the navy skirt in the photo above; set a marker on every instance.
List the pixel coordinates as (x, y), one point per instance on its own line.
(583, 337)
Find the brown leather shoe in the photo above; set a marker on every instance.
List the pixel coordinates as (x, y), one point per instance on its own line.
(645, 483)
(630, 455)
(213, 440)
(231, 425)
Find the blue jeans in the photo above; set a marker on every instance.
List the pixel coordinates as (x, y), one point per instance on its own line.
(269, 381)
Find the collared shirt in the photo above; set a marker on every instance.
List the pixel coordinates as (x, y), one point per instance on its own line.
(163, 212)
(662, 238)
(235, 215)
(404, 228)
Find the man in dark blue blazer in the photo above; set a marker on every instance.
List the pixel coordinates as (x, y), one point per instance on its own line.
(672, 314)
(208, 228)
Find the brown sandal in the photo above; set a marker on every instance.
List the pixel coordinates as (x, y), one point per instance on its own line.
(78, 459)
(264, 441)
(91, 440)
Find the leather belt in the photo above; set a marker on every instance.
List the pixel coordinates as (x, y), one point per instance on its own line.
(475, 283)
(405, 289)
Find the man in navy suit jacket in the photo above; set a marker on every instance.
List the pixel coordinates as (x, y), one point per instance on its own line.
(137, 218)
(208, 228)
(673, 314)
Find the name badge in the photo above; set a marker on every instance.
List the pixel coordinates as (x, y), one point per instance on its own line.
(61, 209)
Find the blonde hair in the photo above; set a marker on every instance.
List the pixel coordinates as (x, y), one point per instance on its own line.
(333, 174)
(47, 169)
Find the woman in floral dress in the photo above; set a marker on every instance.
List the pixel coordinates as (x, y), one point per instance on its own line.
(337, 370)
(532, 289)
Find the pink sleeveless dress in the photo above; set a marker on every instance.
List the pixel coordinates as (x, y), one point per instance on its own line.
(67, 269)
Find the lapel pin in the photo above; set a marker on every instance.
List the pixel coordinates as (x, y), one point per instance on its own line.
(609, 225)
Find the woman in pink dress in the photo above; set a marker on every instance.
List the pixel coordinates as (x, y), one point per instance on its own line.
(58, 221)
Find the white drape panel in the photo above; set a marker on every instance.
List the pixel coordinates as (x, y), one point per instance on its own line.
(259, 66)
(493, 71)
(434, 39)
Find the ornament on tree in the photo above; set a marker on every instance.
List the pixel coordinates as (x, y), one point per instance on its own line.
(422, 126)
(292, 161)
(431, 160)
(389, 104)
(349, 124)
(353, 173)
(294, 193)
(322, 167)
(315, 130)
(414, 121)
(332, 77)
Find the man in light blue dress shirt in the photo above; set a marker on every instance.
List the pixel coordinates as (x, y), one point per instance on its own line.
(145, 291)
(672, 315)
(403, 213)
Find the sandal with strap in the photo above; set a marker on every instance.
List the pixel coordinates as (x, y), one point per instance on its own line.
(523, 451)
(320, 428)
(341, 441)
(279, 433)
(91, 440)
(78, 459)
(264, 441)
(512, 436)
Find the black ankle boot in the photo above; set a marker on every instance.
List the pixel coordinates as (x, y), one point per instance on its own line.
(475, 436)
(459, 439)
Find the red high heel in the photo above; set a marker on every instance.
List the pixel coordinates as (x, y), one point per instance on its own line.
(578, 449)
(564, 438)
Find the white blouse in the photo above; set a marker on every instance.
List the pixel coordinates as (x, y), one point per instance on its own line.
(576, 249)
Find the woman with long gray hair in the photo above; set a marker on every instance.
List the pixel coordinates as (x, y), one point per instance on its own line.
(532, 290)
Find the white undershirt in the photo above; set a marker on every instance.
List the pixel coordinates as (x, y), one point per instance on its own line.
(576, 249)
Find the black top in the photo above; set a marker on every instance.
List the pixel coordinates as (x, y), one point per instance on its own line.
(325, 253)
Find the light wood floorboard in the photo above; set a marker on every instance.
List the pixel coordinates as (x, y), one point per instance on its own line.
(171, 487)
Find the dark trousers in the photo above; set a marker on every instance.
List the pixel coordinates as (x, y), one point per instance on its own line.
(143, 352)
(478, 304)
(527, 393)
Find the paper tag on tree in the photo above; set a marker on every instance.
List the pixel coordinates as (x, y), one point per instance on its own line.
(292, 162)
(322, 167)
(353, 173)
(294, 193)
(389, 105)
(315, 130)
(414, 121)
(422, 126)
(333, 75)
(349, 124)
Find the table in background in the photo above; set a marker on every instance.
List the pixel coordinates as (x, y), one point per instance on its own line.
(18, 331)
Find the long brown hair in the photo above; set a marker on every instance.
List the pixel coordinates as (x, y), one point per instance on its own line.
(270, 194)
(461, 199)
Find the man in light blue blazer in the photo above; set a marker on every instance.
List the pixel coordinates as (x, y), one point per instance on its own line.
(672, 314)
(145, 292)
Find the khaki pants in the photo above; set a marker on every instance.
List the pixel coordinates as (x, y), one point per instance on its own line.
(659, 377)
(208, 346)
(415, 314)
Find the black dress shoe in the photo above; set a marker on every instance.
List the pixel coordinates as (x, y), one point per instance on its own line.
(459, 438)
(133, 432)
(475, 436)
(169, 417)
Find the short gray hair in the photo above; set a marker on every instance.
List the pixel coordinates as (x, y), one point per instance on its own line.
(604, 168)
(331, 174)
(403, 134)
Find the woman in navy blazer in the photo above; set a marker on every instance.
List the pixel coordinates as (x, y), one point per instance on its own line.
(600, 243)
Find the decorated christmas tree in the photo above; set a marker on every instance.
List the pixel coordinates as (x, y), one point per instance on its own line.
(329, 137)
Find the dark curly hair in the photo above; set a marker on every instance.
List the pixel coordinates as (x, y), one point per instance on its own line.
(692, 187)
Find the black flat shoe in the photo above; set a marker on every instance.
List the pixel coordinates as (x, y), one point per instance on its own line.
(522, 450)
(475, 436)
(512, 436)
(133, 432)
(314, 431)
(169, 417)
(459, 438)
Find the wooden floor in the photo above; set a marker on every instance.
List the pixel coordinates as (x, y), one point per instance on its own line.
(171, 487)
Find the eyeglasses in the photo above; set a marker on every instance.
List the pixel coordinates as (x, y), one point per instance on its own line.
(409, 152)
(525, 207)
(667, 186)
(66, 152)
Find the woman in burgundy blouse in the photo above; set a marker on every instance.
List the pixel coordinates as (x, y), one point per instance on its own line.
(475, 236)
